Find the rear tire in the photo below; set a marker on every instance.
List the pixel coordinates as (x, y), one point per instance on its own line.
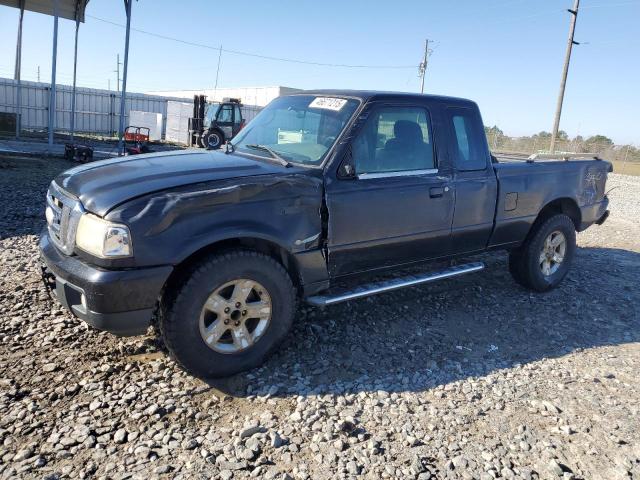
(218, 348)
(545, 258)
(212, 140)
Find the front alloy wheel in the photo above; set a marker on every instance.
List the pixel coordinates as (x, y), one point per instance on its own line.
(227, 313)
(235, 316)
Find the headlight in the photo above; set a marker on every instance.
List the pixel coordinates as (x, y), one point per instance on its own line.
(102, 238)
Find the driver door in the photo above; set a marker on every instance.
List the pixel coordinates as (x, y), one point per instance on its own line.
(397, 208)
(238, 121)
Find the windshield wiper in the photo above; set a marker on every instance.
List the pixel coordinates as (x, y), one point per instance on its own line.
(271, 152)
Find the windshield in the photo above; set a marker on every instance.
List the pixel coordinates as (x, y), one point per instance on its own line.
(298, 128)
(210, 110)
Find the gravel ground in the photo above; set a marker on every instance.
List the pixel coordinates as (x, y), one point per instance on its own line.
(470, 378)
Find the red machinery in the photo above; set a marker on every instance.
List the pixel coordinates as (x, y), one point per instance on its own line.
(139, 137)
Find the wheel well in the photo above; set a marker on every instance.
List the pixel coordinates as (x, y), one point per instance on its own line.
(266, 247)
(567, 206)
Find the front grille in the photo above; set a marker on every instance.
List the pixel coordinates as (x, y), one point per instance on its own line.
(63, 217)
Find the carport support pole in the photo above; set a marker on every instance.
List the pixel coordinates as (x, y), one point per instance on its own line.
(17, 75)
(52, 91)
(73, 93)
(123, 93)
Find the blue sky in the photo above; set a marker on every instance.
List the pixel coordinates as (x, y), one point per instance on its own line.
(505, 54)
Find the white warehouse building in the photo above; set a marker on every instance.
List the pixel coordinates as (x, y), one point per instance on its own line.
(258, 96)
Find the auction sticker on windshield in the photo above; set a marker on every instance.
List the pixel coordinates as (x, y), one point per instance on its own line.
(328, 103)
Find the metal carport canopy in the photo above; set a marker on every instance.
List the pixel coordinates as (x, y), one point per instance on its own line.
(72, 10)
(68, 9)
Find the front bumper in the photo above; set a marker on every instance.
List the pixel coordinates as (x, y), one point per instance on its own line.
(119, 301)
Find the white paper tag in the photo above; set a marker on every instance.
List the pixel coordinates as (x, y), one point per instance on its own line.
(328, 103)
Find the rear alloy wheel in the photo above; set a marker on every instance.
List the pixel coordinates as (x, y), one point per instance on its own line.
(553, 252)
(544, 259)
(228, 313)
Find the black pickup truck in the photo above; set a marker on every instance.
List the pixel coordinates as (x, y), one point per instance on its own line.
(321, 189)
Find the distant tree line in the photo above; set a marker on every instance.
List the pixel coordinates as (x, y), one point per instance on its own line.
(540, 142)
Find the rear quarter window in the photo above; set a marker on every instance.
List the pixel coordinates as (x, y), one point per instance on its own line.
(468, 144)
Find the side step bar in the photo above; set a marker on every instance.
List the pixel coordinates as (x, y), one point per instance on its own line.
(395, 284)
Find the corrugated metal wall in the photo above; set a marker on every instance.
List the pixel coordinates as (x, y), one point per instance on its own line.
(259, 96)
(249, 112)
(97, 111)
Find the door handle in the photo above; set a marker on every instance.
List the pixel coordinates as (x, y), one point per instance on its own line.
(437, 192)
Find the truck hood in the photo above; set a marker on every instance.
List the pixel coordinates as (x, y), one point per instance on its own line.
(103, 185)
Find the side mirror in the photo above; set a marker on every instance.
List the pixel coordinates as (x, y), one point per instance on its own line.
(347, 169)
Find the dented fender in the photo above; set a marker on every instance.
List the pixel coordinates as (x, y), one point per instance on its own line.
(283, 209)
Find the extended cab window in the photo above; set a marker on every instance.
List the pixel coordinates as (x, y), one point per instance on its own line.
(469, 150)
(394, 139)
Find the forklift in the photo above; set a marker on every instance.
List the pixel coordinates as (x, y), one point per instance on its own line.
(214, 123)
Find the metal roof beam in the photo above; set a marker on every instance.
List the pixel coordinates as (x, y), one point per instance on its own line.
(67, 9)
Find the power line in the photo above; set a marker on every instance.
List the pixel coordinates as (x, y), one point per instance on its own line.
(602, 5)
(517, 19)
(219, 48)
(507, 3)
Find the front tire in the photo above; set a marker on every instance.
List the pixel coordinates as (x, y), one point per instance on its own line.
(228, 314)
(545, 258)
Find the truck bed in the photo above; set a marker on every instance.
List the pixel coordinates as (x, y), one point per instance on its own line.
(575, 187)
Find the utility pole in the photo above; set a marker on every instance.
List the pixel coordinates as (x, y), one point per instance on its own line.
(422, 68)
(624, 162)
(565, 71)
(117, 72)
(215, 88)
(38, 73)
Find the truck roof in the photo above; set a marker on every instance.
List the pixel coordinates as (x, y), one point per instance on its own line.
(368, 95)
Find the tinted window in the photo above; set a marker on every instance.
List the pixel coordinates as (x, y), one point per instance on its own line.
(238, 114)
(469, 149)
(394, 139)
(225, 115)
